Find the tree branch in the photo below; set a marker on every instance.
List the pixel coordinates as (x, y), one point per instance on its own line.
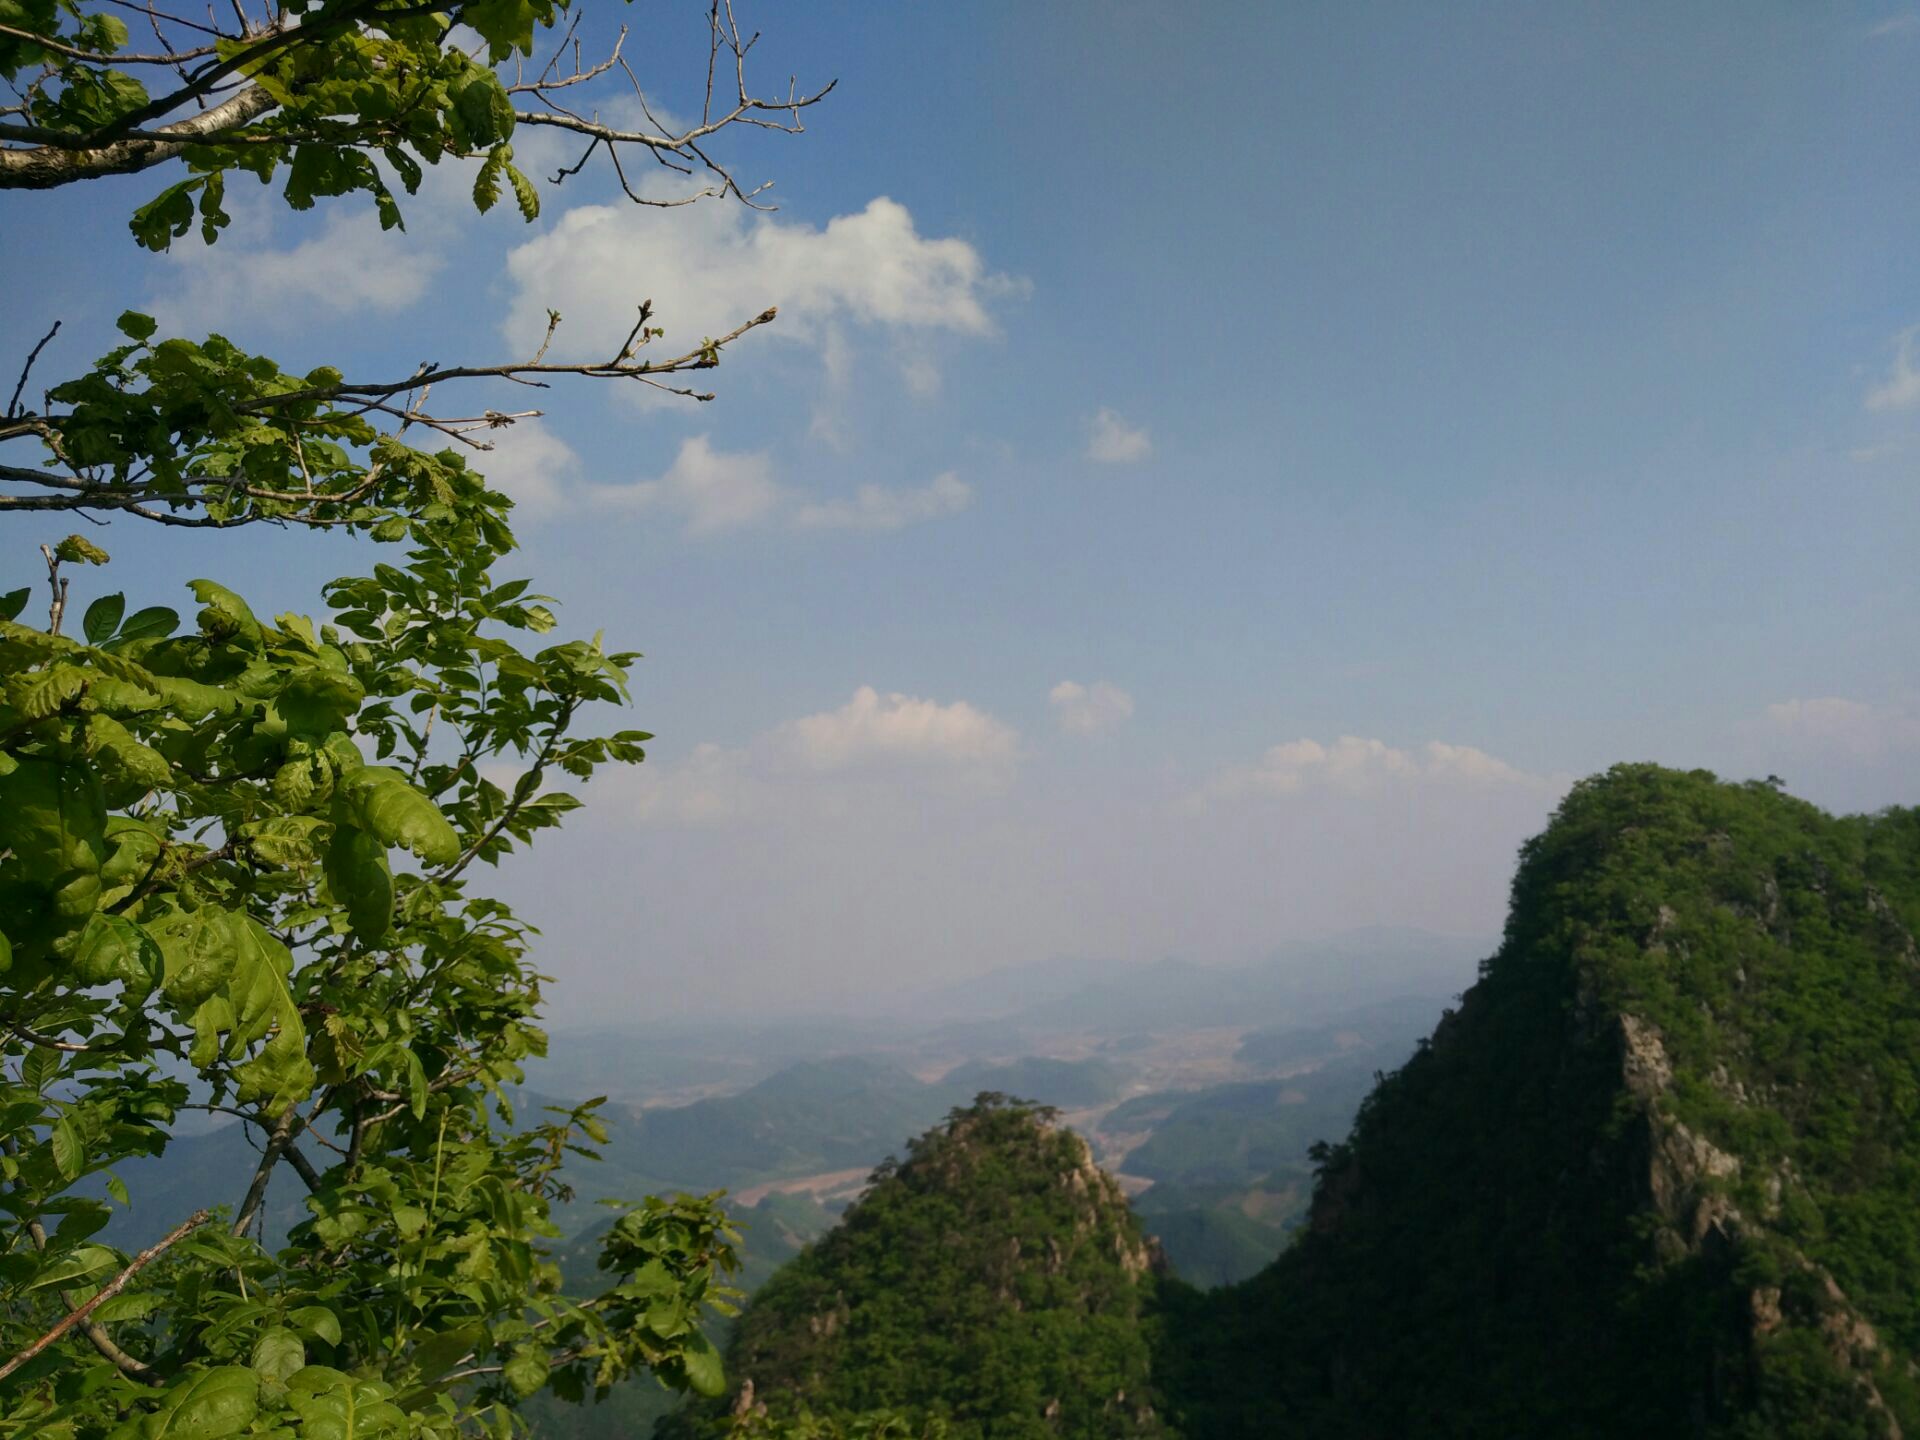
(59, 159)
(13, 405)
(113, 1287)
(277, 1142)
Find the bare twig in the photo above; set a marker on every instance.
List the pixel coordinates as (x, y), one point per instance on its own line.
(57, 583)
(13, 405)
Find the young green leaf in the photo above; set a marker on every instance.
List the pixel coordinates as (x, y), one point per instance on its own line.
(103, 618)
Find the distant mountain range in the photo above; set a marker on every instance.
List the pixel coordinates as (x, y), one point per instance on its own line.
(1296, 983)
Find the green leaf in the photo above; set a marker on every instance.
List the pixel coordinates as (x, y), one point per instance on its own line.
(357, 873)
(317, 1321)
(317, 701)
(334, 1406)
(706, 1375)
(524, 194)
(526, 1371)
(78, 550)
(146, 624)
(69, 1154)
(382, 801)
(485, 109)
(13, 602)
(127, 758)
(416, 1086)
(225, 615)
(103, 618)
(40, 1069)
(210, 1405)
(166, 217)
(127, 1307)
(199, 956)
(113, 948)
(486, 183)
(277, 1354)
(263, 1006)
(81, 1263)
(136, 326)
(51, 691)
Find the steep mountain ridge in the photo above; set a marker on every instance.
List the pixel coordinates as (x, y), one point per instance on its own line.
(1656, 1176)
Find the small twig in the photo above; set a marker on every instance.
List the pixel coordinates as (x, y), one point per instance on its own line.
(112, 1288)
(57, 607)
(13, 405)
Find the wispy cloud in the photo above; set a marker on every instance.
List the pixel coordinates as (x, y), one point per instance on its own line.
(711, 490)
(1854, 727)
(1354, 763)
(1088, 709)
(1112, 441)
(876, 507)
(877, 748)
(1901, 389)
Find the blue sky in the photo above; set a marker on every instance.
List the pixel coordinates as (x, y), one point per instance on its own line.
(1220, 471)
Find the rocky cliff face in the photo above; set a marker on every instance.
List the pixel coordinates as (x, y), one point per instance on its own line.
(1658, 1175)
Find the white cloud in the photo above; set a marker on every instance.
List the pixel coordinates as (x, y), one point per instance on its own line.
(349, 267)
(712, 490)
(529, 463)
(1851, 726)
(1112, 441)
(346, 264)
(875, 507)
(712, 786)
(877, 754)
(897, 730)
(1901, 389)
(1897, 25)
(708, 267)
(1086, 709)
(1356, 764)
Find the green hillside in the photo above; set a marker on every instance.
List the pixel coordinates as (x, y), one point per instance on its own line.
(815, 1116)
(1656, 1177)
(993, 1279)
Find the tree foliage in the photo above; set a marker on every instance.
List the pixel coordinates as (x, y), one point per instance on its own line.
(237, 878)
(237, 853)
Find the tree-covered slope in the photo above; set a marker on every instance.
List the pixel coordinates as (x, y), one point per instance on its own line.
(994, 1279)
(1659, 1175)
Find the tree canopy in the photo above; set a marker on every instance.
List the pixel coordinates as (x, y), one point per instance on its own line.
(238, 854)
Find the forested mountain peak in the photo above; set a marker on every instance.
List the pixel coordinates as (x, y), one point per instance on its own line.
(1656, 1174)
(992, 1280)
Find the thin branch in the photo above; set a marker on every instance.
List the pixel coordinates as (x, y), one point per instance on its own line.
(112, 1288)
(13, 405)
(58, 585)
(74, 52)
(47, 1042)
(277, 1142)
(95, 1332)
